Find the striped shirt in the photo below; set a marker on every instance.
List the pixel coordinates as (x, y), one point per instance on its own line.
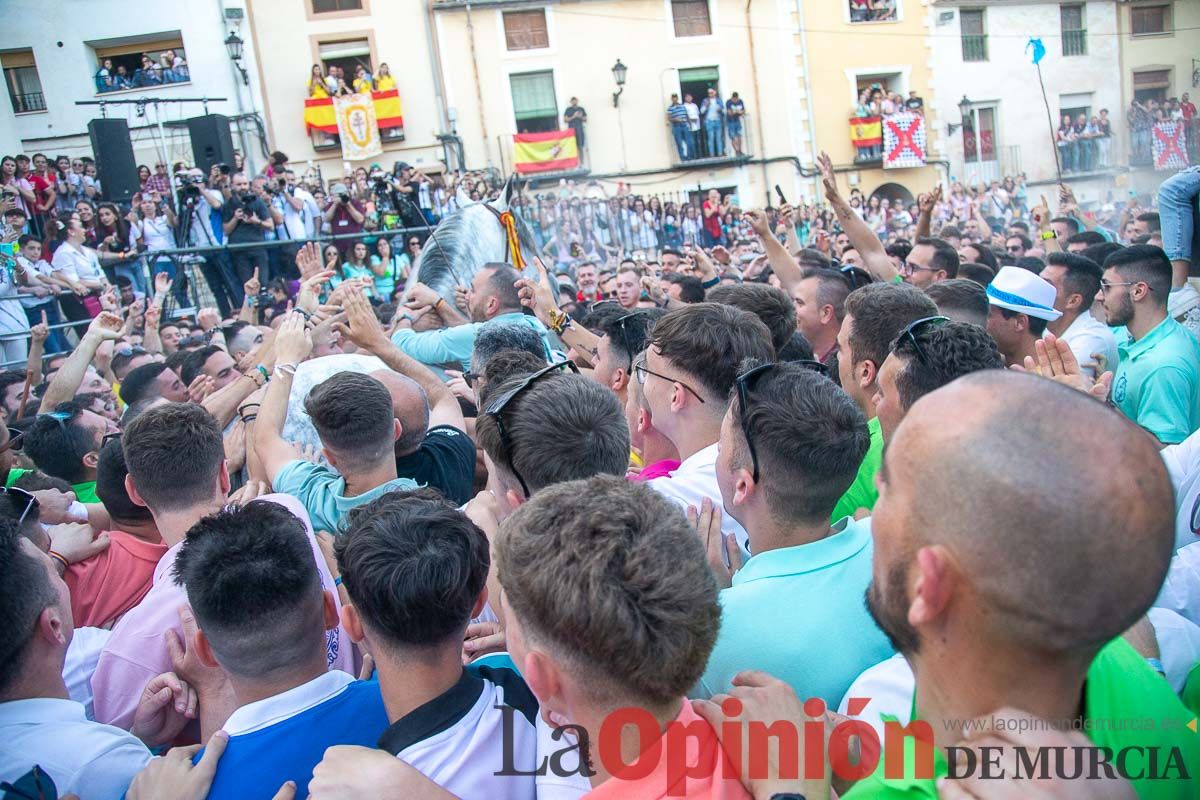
(677, 113)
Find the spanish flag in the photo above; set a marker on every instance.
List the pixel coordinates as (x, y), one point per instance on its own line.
(319, 115)
(545, 152)
(866, 131)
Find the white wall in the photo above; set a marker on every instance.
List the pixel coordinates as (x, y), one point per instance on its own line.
(1009, 79)
(67, 72)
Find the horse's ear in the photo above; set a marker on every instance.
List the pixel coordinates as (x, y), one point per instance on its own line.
(462, 197)
(504, 201)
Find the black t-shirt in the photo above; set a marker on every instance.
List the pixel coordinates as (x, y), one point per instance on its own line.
(575, 123)
(445, 461)
(245, 231)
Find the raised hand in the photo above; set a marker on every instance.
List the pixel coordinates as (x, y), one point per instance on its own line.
(107, 326)
(421, 295)
(40, 332)
(293, 341)
(308, 260)
(76, 541)
(109, 300)
(538, 296)
(828, 181)
(201, 387)
(1056, 360)
(706, 522)
(361, 326)
(309, 297)
(252, 286)
(759, 223)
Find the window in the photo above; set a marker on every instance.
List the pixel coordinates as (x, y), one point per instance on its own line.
(327, 6)
(1150, 20)
(691, 17)
(1074, 31)
(21, 78)
(877, 11)
(140, 62)
(534, 104)
(979, 135)
(348, 55)
(1151, 84)
(526, 30)
(974, 34)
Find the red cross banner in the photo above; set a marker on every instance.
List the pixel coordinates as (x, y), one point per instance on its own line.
(1170, 152)
(903, 141)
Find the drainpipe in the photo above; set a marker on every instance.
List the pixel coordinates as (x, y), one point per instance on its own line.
(478, 87)
(435, 66)
(758, 119)
(808, 97)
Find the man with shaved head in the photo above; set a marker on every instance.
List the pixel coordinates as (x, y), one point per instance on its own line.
(990, 589)
(433, 448)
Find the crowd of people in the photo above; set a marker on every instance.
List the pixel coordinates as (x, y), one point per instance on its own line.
(143, 70)
(583, 529)
(700, 131)
(332, 82)
(1145, 117)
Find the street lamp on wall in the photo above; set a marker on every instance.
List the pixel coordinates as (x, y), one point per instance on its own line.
(964, 111)
(618, 72)
(233, 43)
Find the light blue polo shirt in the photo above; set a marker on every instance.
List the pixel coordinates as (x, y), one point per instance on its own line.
(1157, 382)
(454, 345)
(799, 613)
(322, 492)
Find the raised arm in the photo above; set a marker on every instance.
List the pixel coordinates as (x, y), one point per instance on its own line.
(106, 327)
(927, 203)
(864, 240)
(223, 403)
(362, 327)
(781, 261)
(292, 345)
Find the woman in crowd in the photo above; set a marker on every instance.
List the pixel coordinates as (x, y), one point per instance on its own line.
(672, 236)
(384, 80)
(68, 185)
(113, 245)
(25, 195)
(316, 83)
(55, 234)
(85, 212)
(362, 80)
(357, 265)
(655, 209)
(388, 268)
(143, 176)
(150, 73)
(152, 230)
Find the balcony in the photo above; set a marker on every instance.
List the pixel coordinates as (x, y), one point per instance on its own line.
(692, 149)
(320, 120)
(148, 79)
(28, 103)
(974, 47)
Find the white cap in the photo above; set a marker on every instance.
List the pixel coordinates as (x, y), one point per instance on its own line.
(1020, 290)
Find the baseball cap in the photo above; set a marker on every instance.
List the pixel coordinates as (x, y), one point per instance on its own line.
(1019, 290)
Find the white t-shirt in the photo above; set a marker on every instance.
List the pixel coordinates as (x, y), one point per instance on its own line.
(693, 115)
(41, 269)
(1183, 465)
(1087, 336)
(692, 481)
(155, 233)
(77, 263)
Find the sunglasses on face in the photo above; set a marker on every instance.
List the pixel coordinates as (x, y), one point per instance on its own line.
(495, 410)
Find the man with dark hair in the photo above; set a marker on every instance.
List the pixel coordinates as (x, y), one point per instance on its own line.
(352, 415)
(1099, 253)
(212, 361)
(500, 334)
(634, 631)
(791, 444)
(1017, 244)
(1157, 382)
(691, 365)
(110, 583)
(1148, 222)
(415, 571)
(262, 615)
(930, 261)
(66, 443)
(769, 304)
(875, 315)
(153, 380)
(1021, 305)
(684, 288)
(492, 295)
(1083, 240)
(38, 724)
(961, 300)
(177, 470)
(820, 300)
(925, 357)
(1064, 227)
(130, 358)
(1076, 281)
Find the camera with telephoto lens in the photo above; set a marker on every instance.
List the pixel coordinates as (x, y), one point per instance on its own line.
(343, 198)
(248, 199)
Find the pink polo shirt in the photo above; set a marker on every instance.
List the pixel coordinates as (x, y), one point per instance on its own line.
(136, 650)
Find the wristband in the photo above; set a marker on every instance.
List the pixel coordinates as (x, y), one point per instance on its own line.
(711, 283)
(266, 376)
(897, 278)
(1155, 664)
(1044, 235)
(337, 581)
(60, 559)
(286, 369)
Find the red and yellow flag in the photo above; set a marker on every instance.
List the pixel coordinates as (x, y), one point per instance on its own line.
(545, 152)
(319, 113)
(866, 131)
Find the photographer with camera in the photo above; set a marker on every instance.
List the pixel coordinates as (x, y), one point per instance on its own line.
(345, 215)
(245, 219)
(198, 203)
(414, 193)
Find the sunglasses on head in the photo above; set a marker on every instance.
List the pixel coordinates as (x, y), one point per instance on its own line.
(16, 440)
(495, 410)
(909, 334)
(20, 501)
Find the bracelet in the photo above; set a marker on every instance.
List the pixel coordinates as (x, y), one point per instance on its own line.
(247, 419)
(710, 283)
(60, 558)
(1155, 664)
(242, 409)
(266, 376)
(337, 581)
(439, 302)
(286, 369)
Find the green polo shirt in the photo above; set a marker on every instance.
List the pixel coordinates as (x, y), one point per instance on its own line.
(84, 492)
(814, 592)
(1126, 704)
(862, 493)
(1157, 382)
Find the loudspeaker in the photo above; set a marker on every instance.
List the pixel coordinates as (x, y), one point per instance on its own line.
(115, 163)
(211, 141)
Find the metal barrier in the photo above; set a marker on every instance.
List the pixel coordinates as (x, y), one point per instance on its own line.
(197, 293)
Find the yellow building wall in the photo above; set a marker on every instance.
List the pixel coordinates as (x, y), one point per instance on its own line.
(1174, 51)
(838, 51)
(585, 40)
(287, 35)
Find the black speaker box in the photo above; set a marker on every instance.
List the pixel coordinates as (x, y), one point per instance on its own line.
(211, 141)
(114, 159)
